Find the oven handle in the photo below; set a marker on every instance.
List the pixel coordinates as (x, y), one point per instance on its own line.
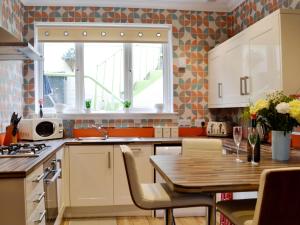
(54, 178)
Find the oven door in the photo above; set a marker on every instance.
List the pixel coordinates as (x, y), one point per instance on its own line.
(51, 204)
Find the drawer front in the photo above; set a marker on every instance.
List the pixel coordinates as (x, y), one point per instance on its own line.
(34, 180)
(38, 216)
(34, 198)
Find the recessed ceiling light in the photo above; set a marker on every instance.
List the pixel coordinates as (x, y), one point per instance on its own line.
(84, 33)
(158, 34)
(66, 33)
(47, 33)
(140, 34)
(122, 34)
(103, 33)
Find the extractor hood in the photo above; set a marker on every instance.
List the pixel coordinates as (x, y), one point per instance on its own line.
(12, 49)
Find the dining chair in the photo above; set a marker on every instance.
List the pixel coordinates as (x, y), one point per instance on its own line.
(278, 201)
(192, 146)
(155, 196)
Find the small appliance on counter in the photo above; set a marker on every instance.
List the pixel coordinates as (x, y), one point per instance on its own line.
(41, 129)
(219, 129)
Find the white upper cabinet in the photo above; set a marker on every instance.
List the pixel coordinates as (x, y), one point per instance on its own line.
(264, 57)
(236, 72)
(215, 84)
(260, 59)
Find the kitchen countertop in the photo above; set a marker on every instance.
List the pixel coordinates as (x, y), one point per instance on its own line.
(20, 167)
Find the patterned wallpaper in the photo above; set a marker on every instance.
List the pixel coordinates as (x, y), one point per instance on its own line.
(11, 73)
(250, 11)
(11, 91)
(11, 16)
(194, 33)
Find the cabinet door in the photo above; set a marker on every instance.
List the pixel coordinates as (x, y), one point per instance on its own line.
(215, 82)
(91, 175)
(142, 154)
(265, 60)
(236, 72)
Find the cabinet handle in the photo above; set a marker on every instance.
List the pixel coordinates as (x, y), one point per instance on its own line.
(109, 165)
(60, 167)
(42, 215)
(241, 85)
(220, 90)
(39, 199)
(136, 149)
(246, 85)
(39, 178)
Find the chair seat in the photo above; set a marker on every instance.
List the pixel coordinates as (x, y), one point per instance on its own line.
(158, 196)
(239, 212)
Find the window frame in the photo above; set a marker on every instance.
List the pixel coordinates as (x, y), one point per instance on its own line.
(79, 71)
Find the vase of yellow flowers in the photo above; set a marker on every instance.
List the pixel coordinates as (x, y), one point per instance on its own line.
(280, 113)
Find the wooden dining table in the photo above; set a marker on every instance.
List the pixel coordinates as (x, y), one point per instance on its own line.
(215, 172)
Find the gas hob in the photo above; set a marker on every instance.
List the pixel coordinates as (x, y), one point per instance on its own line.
(22, 150)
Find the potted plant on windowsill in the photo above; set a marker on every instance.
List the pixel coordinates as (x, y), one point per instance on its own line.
(127, 105)
(280, 113)
(88, 105)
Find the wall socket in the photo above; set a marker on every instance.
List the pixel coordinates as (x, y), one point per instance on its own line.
(198, 122)
(184, 122)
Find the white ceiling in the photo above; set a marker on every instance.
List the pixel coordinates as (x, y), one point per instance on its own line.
(198, 5)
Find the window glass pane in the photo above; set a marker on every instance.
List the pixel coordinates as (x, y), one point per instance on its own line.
(59, 74)
(147, 68)
(104, 75)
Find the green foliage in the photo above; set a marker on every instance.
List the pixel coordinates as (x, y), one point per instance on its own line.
(272, 119)
(88, 103)
(127, 104)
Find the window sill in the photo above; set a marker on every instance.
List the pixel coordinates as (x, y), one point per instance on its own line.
(117, 115)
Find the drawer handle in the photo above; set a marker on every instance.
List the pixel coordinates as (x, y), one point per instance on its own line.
(39, 199)
(39, 178)
(136, 149)
(42, 215)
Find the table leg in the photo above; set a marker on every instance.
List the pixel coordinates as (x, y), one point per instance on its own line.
(211, 212)
(169, 217)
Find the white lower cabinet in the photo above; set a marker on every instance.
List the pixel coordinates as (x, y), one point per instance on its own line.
(98, 176)
(142, 154)
(91, 175)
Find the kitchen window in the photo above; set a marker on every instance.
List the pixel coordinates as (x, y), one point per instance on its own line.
(107, 73)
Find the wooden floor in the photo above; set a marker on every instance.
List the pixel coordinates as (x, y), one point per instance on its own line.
(153, 221)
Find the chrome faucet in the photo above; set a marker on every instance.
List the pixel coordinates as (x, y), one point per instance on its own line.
(103, 131)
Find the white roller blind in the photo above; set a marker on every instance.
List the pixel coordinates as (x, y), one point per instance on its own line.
(102, 34)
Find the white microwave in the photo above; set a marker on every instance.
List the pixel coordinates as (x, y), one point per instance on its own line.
(41, 129)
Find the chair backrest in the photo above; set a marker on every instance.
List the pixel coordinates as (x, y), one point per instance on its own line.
(132, 176)
(192, 146)
(278, 200)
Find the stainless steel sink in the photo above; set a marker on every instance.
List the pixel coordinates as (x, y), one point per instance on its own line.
(110, 139)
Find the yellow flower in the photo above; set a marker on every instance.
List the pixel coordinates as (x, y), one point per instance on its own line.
(295, 109)
(259, 105)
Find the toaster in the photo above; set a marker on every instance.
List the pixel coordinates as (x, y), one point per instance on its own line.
(219, 129)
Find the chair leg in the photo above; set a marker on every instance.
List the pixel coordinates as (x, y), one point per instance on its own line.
(211, 213)
(168, 217)
(174, 222)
